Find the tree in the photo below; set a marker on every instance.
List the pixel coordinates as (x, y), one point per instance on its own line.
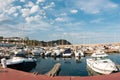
(1, 38)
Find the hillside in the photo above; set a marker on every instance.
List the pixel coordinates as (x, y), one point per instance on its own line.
(49, 43)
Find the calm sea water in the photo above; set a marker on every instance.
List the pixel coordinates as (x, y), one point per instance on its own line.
(69, 66)
(6, 45)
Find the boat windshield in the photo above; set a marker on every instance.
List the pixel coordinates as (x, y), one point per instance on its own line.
(105, 57)
(100, 58)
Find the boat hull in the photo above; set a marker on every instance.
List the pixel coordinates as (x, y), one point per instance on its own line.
(24, 66)
(67, 55)
(94, 67)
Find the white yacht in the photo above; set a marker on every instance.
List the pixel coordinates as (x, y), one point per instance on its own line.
(99, 62)
(37, 51)
(78, 53)
(20, 51)
(21, 63)
(48, 53)
(56, 52)
(67, 53)
(18, 60)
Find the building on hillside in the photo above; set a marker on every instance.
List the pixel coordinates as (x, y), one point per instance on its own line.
(12, 38)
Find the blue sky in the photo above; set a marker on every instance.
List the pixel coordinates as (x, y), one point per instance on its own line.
(79, 21)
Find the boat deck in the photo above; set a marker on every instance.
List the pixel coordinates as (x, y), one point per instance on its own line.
(11, 74)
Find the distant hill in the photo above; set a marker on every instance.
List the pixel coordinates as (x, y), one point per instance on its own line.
(55, 42)
(49, 43)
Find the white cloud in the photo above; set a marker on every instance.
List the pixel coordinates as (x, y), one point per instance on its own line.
(39, 1)
(99, 20)
(41, 25)
(44, 26)
(42, 12)
(3, 17)
(73, 11)
(25, 12)
(95, 6)
(63, 19)
(8, 30)
(57, 28)
(15, 14)
(86, 37)
(77, 25)
(12, 10)
(22, 0)
(33, 18)
(18, 7)
(37, 17)
(52, 4)
(34, 9)
(4, 4)
(30, 4)
(29, 19)
(59, 19)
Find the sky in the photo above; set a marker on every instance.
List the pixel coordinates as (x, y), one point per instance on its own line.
(78, 21)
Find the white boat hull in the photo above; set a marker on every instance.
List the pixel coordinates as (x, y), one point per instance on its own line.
(79, 54)
(25, 64)
(102, 70)
(19, 60)
(67, 55)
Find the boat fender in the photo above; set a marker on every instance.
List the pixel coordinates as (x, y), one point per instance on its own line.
(3, 62)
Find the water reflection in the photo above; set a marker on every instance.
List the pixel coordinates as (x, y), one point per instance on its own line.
(74, 66)
(78, 59)
(91, 72)
(67, 60)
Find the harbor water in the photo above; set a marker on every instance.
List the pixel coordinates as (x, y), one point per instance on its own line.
(69, 66)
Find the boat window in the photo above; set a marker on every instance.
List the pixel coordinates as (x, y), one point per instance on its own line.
(105, 57)
(105, 61)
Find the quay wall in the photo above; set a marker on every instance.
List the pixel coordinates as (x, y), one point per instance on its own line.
(11, 74)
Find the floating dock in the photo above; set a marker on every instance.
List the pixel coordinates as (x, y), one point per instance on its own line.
(11, 74)
(53, 72)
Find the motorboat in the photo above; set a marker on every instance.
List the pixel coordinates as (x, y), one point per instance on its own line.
(99, 62)
(17, 50)
(56, 52)
(21, 63)
(67, 53)
(62, 50)
(20, 51)
(48, 53)
(78, 53)
(91, 72)
(37, 51)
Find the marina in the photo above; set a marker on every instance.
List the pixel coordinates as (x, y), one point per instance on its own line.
(56, 62)
(71, 65)
(71, 58)
(59, 39)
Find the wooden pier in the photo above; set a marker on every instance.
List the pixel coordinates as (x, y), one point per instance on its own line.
(53, 72)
